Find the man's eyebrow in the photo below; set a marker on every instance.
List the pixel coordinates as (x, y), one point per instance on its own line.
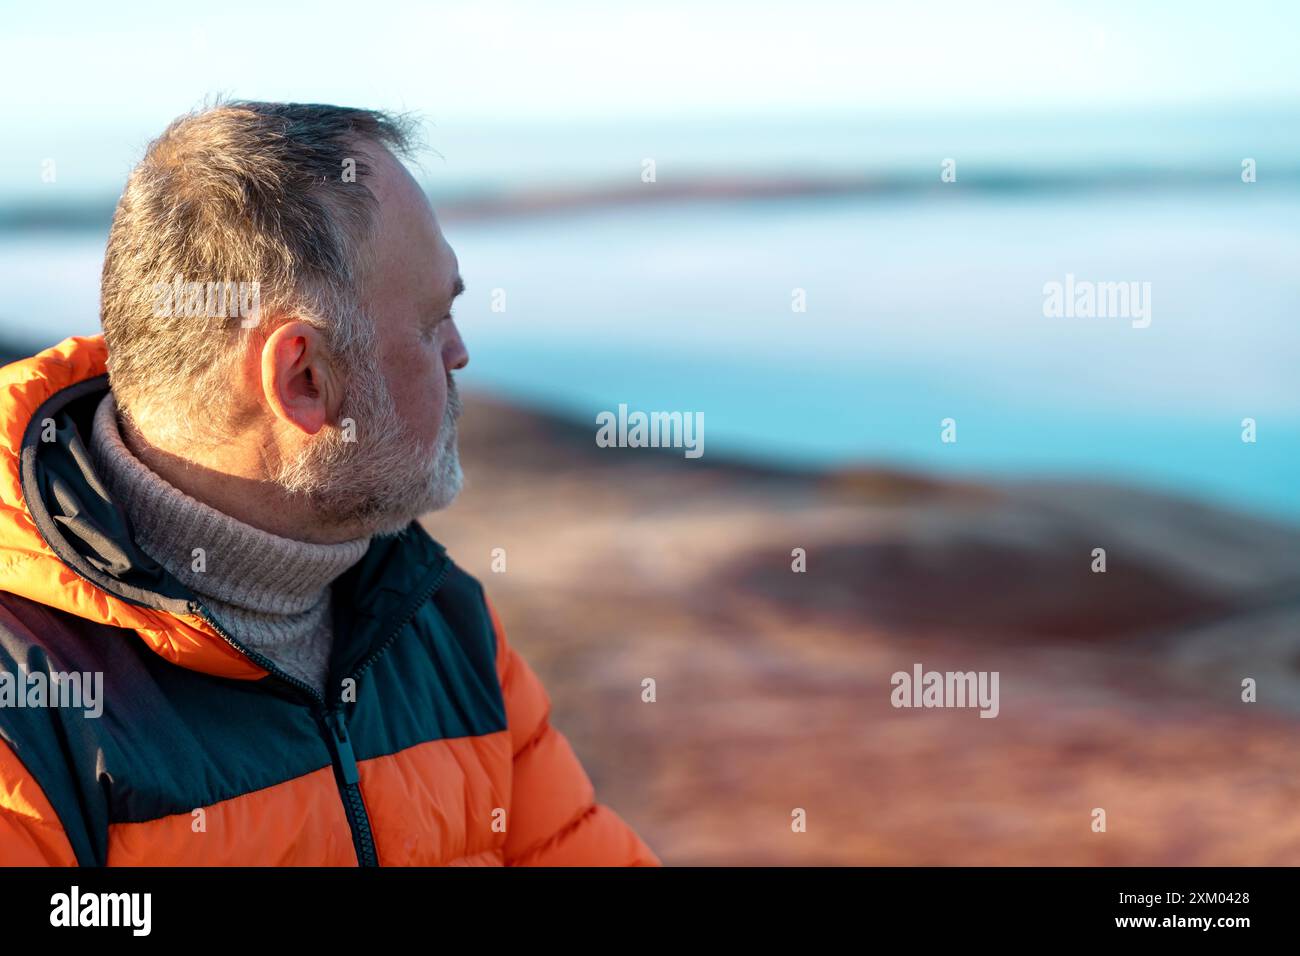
(457, 289)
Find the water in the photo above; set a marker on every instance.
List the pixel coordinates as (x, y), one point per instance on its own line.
(917, 311)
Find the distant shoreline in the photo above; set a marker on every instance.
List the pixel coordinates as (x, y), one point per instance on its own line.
(876, 480)
(505, 204)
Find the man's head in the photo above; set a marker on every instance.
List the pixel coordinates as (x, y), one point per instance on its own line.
(277, 305)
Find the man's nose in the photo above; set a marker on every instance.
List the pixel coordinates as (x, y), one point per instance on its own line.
(454, 355)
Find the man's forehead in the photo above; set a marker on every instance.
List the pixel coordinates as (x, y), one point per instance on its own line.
(445, 265)
(410, 242)
(397, 193)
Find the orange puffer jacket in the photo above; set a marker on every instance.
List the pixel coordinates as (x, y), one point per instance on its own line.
(135, 730)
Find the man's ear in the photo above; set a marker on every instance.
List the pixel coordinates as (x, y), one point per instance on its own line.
(298, 380)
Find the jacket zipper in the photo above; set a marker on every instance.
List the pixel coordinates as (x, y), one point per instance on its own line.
(353, 804)
(336, 730)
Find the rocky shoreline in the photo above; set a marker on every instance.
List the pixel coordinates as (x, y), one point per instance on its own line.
(1119, 690)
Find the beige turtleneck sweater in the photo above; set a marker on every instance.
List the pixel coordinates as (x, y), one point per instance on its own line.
(272, 594)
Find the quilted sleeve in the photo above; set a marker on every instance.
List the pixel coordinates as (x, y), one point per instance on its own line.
(554, 819)
(30, 831)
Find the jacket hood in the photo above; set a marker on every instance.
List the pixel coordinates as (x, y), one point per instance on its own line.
(66, 545)
(63, 543)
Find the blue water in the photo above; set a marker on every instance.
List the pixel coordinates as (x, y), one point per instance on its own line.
(917, 311)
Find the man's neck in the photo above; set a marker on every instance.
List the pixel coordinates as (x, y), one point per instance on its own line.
(237, 487)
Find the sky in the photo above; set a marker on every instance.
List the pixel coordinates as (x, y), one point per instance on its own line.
(565, 59)
(512, 90)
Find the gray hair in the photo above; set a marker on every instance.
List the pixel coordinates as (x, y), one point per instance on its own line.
(240, 204)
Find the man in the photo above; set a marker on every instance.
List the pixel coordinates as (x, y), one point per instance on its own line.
(207, 523)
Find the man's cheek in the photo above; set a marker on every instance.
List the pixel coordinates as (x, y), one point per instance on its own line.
(433, 421)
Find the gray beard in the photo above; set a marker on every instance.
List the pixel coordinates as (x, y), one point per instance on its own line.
(382, 481)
